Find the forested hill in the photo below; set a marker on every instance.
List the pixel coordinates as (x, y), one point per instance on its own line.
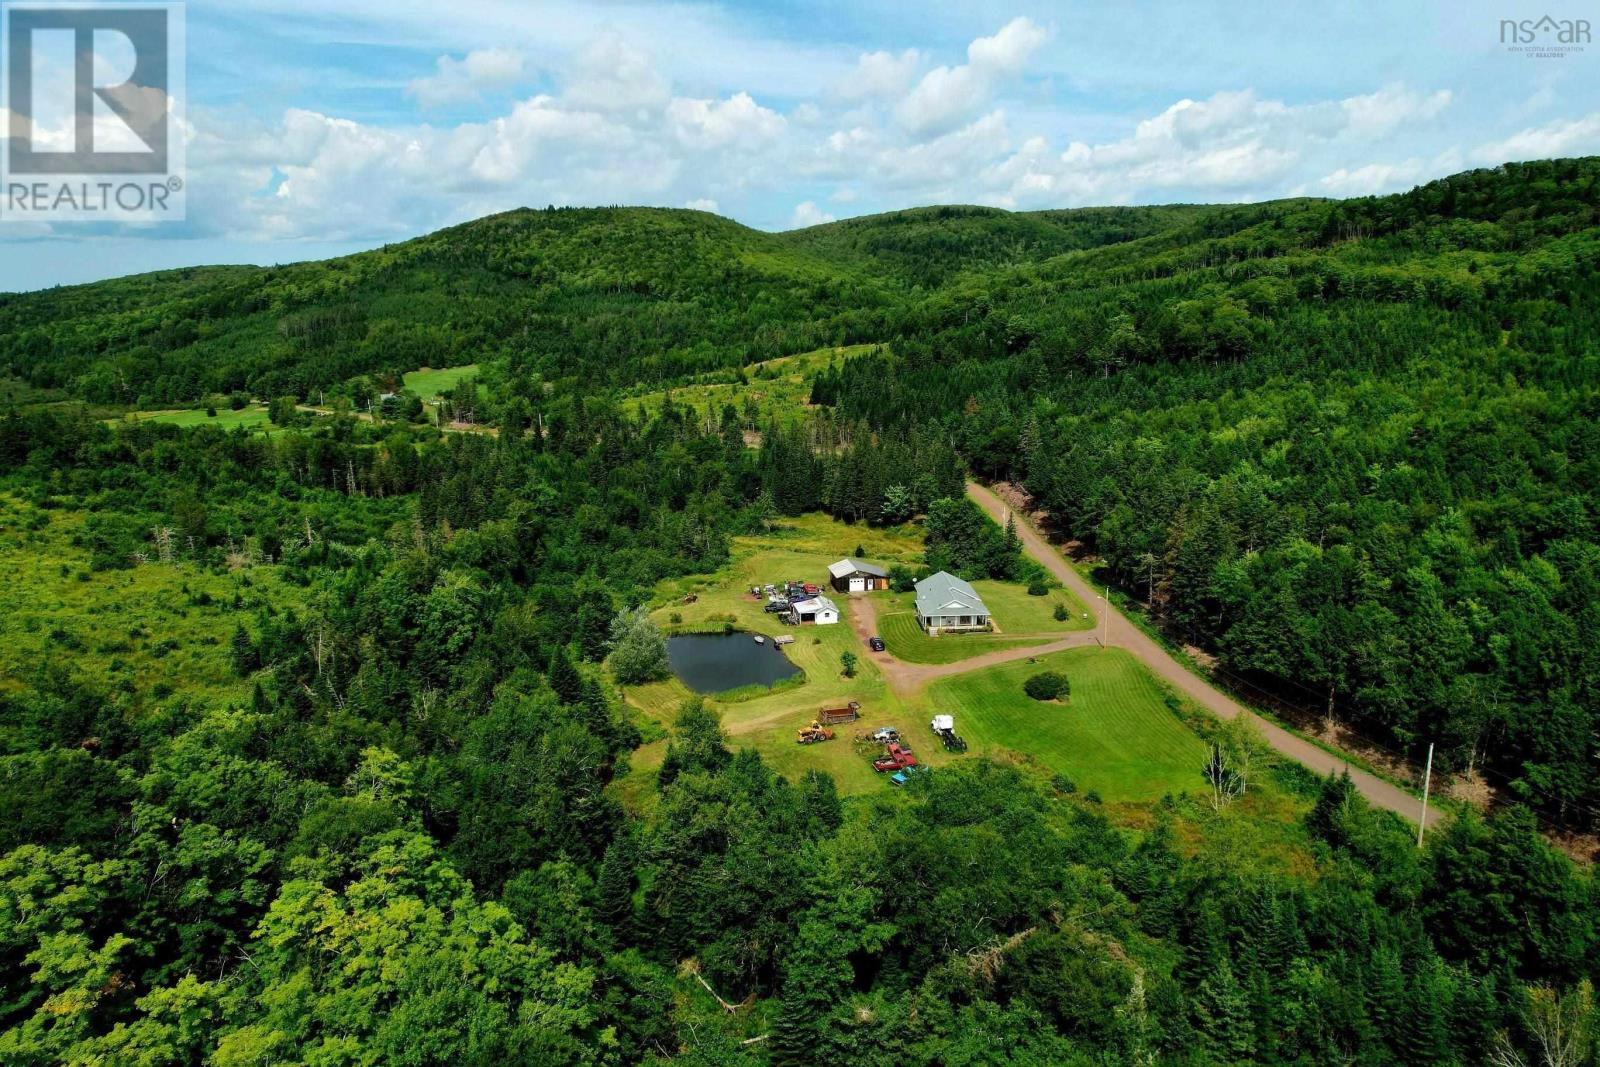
(618, 296)
(349, 739)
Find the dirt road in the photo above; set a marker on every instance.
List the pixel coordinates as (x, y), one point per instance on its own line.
(908, 679)
(1121, 633)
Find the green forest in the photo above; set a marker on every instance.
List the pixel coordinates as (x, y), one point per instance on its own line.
(314, 738)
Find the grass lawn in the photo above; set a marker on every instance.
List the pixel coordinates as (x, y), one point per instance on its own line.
(1023, 620)
(800, 549)
(251, 417)
(1117, 735)
(428, 383)
(906, 641)
(1015, 612)
(150, 626)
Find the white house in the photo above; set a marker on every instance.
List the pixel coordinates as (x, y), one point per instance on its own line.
(945, 603)
(819, 610)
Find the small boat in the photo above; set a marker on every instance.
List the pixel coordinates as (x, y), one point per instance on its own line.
(760, 640)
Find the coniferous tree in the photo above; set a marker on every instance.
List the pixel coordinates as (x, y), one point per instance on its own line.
(564, 677)
(615, 885)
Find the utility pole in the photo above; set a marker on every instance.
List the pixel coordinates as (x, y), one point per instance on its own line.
(1427, 780)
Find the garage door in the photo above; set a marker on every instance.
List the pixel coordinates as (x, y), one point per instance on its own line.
(857, 584)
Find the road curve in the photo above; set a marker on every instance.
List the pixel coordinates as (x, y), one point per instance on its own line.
(1122, 633)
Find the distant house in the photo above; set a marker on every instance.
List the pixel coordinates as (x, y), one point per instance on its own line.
(946, 604)
(819, 610)
(858, 576)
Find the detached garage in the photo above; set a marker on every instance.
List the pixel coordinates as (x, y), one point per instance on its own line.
(858, 576)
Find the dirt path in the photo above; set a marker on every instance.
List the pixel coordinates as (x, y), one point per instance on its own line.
(1121, 633)
(908, 679)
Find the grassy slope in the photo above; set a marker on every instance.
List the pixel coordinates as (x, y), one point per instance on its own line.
(429, 383)
(777, 386)
(141, 626)
(1116, 736)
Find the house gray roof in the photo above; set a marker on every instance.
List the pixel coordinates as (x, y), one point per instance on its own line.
(847, 567)
(945, 594)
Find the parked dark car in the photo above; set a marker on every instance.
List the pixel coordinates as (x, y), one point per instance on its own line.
(775, 607)
(876, 644)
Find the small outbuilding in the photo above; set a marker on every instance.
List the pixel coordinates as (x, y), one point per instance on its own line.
(858, 576)
(818, 610)
(946, 604)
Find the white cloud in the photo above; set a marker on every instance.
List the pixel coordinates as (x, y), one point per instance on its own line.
(1009, 49)
(881, 74)
(1394, 105)
(1562, 137)
(609, 74)
(1231, 144)
(807, 213)
(948, 96)
(1373, 178)
(462, 81)
(943, 97)
(702, 204)
(709, 124)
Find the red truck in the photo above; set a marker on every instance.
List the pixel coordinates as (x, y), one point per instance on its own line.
(898, 758)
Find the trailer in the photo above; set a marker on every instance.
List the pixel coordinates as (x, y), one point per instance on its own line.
(944, 728)
(834, 716)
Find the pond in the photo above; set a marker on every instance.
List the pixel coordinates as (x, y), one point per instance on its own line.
(714, 663)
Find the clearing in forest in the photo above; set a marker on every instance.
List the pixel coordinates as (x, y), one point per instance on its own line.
(1116, 734)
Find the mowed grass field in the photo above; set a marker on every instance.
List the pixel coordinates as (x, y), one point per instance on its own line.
(1116, 735)
(252, 417)
(1023, 620)
(428, 383)
(906, 641)
(156, 628)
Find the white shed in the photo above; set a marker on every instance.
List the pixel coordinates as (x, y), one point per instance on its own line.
(819, 610)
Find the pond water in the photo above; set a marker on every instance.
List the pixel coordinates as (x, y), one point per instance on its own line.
(714, 663)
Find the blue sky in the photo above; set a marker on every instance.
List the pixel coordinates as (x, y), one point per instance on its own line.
(325, 126)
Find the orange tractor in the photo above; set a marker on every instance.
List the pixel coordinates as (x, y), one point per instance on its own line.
(810, 735)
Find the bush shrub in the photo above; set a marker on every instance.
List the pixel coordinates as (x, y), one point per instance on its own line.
(1037, 587)
(1046, 685)
(1060, 613)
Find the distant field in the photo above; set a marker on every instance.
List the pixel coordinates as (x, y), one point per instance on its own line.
(428, 383)
(1116, 735)
(225, 419)
(148, 626)
(776, 386)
